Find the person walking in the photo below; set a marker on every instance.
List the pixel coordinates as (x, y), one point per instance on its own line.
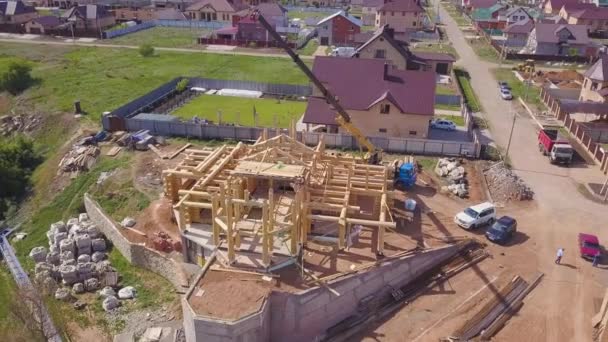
(560, 254)
(596, 259)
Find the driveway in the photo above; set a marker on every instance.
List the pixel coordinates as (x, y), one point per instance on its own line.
(460, 134)
(564, 301)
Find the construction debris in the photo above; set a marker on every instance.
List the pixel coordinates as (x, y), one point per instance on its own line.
(162, 242)
(18, 123)
(454, 172)
(110, 303)
(504, 185)
(79, 158)
(128, 222)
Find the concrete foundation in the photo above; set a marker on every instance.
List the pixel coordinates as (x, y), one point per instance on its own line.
(305, 316)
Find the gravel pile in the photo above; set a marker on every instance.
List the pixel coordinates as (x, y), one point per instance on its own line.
(504, 185)
(452, 170)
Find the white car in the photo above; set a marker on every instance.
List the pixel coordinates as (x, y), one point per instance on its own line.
(476, 216)
(446, 125)
(506, 94)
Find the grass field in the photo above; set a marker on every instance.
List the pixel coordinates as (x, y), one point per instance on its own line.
(104, 79)
(443, 48)
(519, 89)
(309, 48)
(303, 15)
(484, 50)
(445, 90)
(456, 119)
(469, 95)
(173, 37)
(207, 107)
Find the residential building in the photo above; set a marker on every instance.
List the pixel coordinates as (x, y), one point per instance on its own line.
(16, 13)
(471, 5)
(595, 84)
(516, 14)
(381, 101)
(517, 34)
(560, 40)
(46, 25)
(368, 11)
(339, 28)
(247, 28)
(488, 18)
(383, 45)
(177, 4)
(147, 13)
(554, 6)
(214, 10)
(401, 15)
(595, 18)
(93, 18)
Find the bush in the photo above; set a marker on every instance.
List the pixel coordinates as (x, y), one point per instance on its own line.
(16, 78)
(181, 85)
(146, 50)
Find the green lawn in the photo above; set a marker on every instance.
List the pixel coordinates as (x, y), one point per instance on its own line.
(104, 79)
(303, 15)
(309, 48)
(207, 107)
(173, 37)
(484, 50)
(463, 79)
(519, 89)
(445, 90)
(442, 48)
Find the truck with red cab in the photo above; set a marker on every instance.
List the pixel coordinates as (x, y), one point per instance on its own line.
(552, 144)
(588, 245)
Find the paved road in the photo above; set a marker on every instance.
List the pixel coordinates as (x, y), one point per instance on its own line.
(23, 281)
(132, 47)
(560, 212)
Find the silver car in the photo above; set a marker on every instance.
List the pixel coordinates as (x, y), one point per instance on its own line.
(445, 125)
(506, 94)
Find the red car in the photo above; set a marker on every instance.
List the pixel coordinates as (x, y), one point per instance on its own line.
(588, 245)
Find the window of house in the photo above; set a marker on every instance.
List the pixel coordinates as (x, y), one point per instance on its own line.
(593, 85)
(325, 27)
(382, 130)
(392, 14)
(214, 16)
(380, 54)
(385, 109)
(413, 132)
(414, 23)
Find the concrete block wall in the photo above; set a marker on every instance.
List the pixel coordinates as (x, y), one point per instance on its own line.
(136, 254)
(305, 316)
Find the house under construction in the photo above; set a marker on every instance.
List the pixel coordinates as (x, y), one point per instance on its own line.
(258, 205)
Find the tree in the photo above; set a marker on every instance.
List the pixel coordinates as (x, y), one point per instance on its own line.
(18, 159)
(146, 50)
(16, 78)
(181, 85)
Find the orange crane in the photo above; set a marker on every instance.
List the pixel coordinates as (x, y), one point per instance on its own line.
(374, 154)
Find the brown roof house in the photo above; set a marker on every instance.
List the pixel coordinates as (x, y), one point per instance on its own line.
(92, 18)
(381, 100)
(383, 45)
(368, 11)
(595, 18)
(215, 10)
(247, 28)
(517, 33)
(595, 85)
(402, 15)
(16, 13)
(47, 25)
(560, 40)
(339, 29)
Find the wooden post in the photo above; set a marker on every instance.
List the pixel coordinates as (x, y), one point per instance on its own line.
(270, 220)
(216, 228)
(381, 229)
(219, 117)
(238, 118)
(265, 134)
(265, 236)
(295, 219)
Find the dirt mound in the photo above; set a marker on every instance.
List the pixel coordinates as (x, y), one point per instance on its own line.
(504, 185)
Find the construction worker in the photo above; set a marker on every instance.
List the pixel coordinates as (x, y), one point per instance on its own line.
(560, 254)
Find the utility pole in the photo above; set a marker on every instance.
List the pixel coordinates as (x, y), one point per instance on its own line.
(511, 133)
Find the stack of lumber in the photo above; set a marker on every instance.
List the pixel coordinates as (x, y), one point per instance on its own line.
(600, 320)
(497, 311)
(79, 158)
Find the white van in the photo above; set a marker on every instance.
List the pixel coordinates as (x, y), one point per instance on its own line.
(476, 216)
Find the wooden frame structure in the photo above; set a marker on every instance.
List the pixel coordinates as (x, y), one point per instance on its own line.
(271, 197)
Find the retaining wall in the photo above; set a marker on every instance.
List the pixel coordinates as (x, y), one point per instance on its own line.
(305, 316)
(136, 254)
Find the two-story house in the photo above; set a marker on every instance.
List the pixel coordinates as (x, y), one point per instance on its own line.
(595, 84)
(383, 45)
(381, 100)
(517, 34)
(559, 40)
(339, 28)
(401, 15)
(555, 6)
(215, 10)
(516, 14)
(488, 18)
(595, 18)
(368, 11)
(89, 18)
(16, 13)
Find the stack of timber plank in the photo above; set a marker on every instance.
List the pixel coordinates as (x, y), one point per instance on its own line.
(501, 302)
(79, 158)
(600, 321)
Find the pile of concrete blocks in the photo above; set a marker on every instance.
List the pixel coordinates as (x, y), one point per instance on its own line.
(75, 259)
(504, 185)
(454, 172)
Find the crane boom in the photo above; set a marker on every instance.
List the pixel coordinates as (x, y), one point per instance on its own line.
(343, 119)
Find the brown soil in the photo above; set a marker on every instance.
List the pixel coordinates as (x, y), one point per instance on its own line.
(157, 217)
(476, 188)
(5, 104)
(89, 333)
(229, 295)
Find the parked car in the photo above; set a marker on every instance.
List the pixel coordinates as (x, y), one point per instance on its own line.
(588, 245)
(502, 230)
(503, 85)
(446, 125)
(506, 94)
(476, 216)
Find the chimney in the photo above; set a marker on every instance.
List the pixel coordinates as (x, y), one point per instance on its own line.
(390, 31)
(385, 76)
